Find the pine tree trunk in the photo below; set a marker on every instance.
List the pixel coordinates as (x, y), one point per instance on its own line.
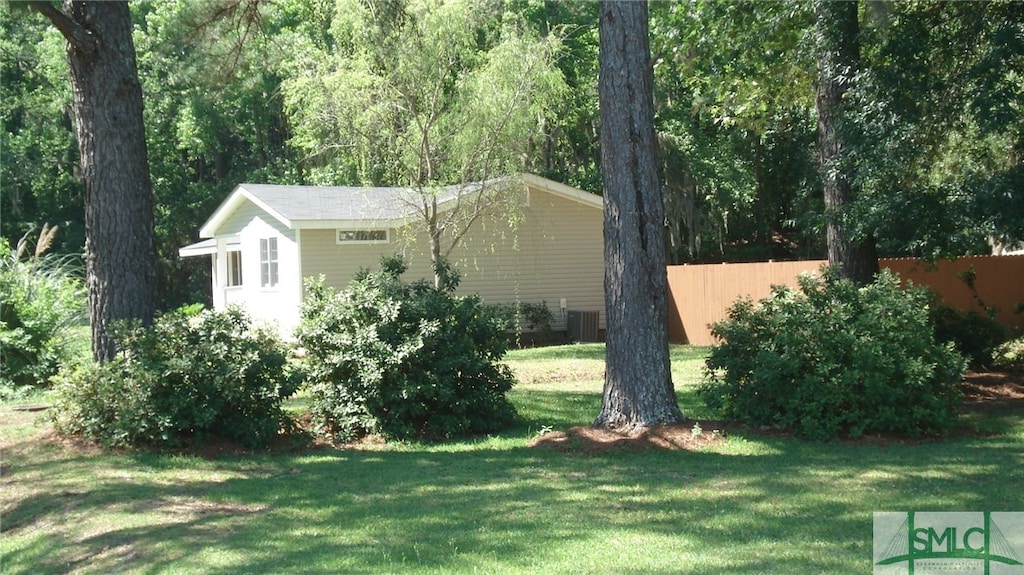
(838, 51)
(120, 257)
(638, 390)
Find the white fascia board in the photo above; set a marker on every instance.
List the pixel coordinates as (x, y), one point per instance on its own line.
(228, 207)
(202, 248)
(559, 189)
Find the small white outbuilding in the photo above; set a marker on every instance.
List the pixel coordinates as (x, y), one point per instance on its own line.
(545, 246)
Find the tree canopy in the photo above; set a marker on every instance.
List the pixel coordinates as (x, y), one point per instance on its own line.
(427, 95)
(350, 92)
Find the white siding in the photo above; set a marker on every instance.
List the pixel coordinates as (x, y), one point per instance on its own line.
(277, 305)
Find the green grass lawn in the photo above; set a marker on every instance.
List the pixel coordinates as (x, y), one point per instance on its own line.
(492, 505)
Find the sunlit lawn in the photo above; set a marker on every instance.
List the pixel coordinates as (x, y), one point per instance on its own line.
(493, 505)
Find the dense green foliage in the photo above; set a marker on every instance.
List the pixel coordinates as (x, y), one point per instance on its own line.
(413, 92)
(975, 335)
(229, 98)
(38, 154)
(40, 300)
(1010, 354)
(405, 360)
(425, 95)
(192, 377)
(734, 83)
(830, 359)
(537, 316)
(421, 94)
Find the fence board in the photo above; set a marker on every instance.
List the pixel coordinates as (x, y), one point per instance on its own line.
(700, 295)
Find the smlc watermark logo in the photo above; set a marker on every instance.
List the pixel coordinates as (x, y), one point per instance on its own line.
(926, 543)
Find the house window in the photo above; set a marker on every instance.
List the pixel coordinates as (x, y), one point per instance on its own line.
(234, 268)
(268, 262)
(362, 237)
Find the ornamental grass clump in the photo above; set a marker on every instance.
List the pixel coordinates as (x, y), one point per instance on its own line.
(41, 300)
(830, 359)
(404, 360)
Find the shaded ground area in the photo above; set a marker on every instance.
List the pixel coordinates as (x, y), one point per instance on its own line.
(986, 394)
(993, 389)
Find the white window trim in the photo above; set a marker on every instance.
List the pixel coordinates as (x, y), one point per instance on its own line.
(341, 242)
(233, 253)
(269, 266)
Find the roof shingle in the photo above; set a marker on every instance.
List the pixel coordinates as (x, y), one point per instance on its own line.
(306, 203)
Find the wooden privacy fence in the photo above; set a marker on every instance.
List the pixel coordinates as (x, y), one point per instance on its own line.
(700, 295)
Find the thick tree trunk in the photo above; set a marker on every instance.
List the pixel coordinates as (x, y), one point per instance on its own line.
(638, 389)
(120, 257)
(838, 51)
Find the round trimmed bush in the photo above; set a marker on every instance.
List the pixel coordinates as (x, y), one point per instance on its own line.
(830, 360)
(190, 378)
(404, 360)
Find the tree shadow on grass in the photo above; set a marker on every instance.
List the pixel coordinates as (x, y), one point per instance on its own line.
(753, 504)
(780, 506)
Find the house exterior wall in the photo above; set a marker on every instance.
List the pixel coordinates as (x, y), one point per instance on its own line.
(321, 255)
(277, 305)
(554, 252)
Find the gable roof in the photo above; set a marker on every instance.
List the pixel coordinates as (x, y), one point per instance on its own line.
(350, 207)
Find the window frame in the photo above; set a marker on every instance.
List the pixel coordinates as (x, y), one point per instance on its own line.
(269, 263)
(350, 242)
(233, 268)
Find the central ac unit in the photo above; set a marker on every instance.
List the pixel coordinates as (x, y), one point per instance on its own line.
(583, 326)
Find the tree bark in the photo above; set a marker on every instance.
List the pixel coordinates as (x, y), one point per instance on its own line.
(120, 256)
(838, 53)
(638, 390)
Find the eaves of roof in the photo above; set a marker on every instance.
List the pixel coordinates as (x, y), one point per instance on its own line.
(346, 207)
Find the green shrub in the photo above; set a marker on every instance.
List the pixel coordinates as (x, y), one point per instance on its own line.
(538, 316)
(404, 360)
(830, 359)
(40, 301)
(528, 324)
(190, 378)
(974, 335)
(1010, 355)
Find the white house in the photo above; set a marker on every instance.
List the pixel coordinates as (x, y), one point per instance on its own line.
(265, 239)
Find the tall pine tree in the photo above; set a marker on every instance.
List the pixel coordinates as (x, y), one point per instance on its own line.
(107, 105)
(638, 390)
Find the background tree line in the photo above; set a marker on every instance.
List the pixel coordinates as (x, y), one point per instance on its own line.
(933, 126)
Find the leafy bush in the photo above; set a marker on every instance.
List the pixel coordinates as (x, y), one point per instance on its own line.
(1010, 355)
(830, 359)
(538, 316)
(404, 360)
(191, 377)
(40, 300)
(975, 335)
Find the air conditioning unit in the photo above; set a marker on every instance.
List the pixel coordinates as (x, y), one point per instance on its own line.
(582, 326)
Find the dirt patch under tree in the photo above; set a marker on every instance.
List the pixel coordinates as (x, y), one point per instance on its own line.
(985, 394)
